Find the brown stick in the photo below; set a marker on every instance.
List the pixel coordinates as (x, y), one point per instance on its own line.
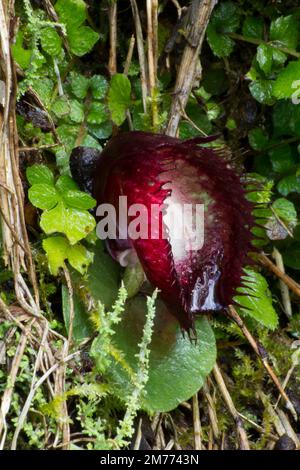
(232, 313)
(265, 261)
(141, 52)
(112, 15)
(200, 12)
(244, 444)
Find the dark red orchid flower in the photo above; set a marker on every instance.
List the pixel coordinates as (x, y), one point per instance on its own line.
(156, 169)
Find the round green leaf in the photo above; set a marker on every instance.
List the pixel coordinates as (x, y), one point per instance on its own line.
(285, 30)
(287, 81)
(119, 97)
(178, 367)
(99, 87)
(76, 112)
(79, 200)
(82, 40)
(66, 183)
(98, 114)
(79, 84)
(262, 91)
(39, 174)
(43, 196)
(51, 41)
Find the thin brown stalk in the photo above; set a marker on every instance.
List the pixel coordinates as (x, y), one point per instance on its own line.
(112, 15)
(129, 55)
(262, 355)
(244, 444)
(293, 286)
(141, 52)
(197, 423)
(200, 12)
(285, 293)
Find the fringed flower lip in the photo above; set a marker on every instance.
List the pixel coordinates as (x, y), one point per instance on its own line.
(157, 169)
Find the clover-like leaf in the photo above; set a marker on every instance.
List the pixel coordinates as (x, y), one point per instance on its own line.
(75, 224)
(58, 249)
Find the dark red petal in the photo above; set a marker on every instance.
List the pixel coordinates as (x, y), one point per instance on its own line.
(155, 169)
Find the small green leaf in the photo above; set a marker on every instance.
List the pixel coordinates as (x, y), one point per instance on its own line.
(76, 111)
(75, 224)
(79, 199)
(82, 327)
(258, 138)
(225, 19)
(80, 257)
(56, 249)
(119, 97)
(79, 84)
(286, 119)
(199, 118)
(43, 196)
(66, 183)
(262, 91)
(220, 44)
(61, 107)
(289, 184)
(71, 12)
(39, 174)
(286, 83)
(282, 159)
(78, 224)
(98, 113)
(22, 56)
(103, 131)
(44, 89)
(82, 40)
(178, 367)
(256, 300)
(253, 27)
(68, 135)
(285, 210)
(54, 220)
(99, 87)
(264, 58)
(285, 30)
(89, 141)
(51, 42)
